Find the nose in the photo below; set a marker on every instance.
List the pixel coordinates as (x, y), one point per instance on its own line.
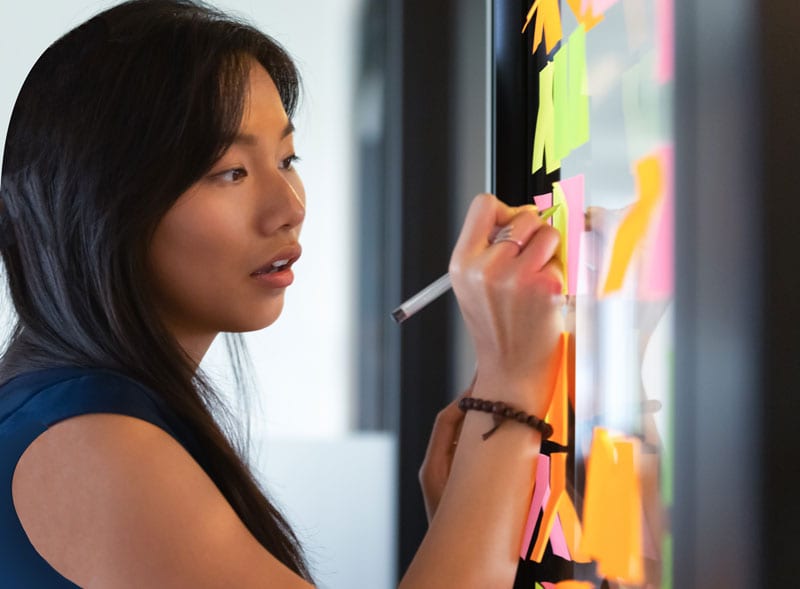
(284, 203)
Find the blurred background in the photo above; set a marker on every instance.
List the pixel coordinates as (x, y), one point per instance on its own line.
(395, 131)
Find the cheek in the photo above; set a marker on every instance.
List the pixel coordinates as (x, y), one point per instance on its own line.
(190, 252)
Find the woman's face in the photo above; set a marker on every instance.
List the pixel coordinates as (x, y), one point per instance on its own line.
(221, 257)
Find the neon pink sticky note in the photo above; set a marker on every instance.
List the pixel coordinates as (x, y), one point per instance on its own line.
(658, 277)
(546, 585)
(557, 540)
(573, 193)
(665, 40)
(544, 201)
(541, 493)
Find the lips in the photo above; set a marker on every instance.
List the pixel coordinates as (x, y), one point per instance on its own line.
(281, 261)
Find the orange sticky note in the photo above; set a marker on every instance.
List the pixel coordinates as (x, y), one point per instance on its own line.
(544, 136)
(650, 188)
(612, 508)
(559, 504)
(584, 12)
(574, 585)
(547, 24)
(657, 279)
(557, 413)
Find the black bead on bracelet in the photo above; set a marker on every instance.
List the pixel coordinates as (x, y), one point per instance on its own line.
(501, 412)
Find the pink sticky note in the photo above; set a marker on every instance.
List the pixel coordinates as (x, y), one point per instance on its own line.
(541, 493)
(544, 201)
(659, 271)
(546, 585)
(557, 540)
(665, 40)
(601, 6)
(573, 193)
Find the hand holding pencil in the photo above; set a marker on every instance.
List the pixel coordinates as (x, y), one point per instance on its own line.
(440, 286)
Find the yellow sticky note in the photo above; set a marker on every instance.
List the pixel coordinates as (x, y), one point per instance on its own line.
(547, 24)
(570, 95)
(544, 136)
(578, 89)
(557, 414)
(562, 124)
(650, 188)
(612, 510)
(561, 222)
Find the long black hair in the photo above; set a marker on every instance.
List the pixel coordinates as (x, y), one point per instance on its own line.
(116, 120)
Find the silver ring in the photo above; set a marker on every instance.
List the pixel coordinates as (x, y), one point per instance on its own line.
(505, 235)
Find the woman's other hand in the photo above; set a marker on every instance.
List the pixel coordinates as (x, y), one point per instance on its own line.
(435, 469)
(509, 293)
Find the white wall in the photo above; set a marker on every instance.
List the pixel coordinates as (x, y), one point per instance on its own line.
(337, 487)
(304, 362)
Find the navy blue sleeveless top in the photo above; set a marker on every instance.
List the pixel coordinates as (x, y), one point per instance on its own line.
(31, 403)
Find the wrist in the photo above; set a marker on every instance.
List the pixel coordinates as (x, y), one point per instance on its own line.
(528, 394)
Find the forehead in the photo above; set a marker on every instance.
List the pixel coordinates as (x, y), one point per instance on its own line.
(263, 104)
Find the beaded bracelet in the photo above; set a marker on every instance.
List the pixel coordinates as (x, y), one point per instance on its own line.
(501, 412)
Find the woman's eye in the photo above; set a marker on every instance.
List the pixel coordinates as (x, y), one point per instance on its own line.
(234, 175)
(288, 163)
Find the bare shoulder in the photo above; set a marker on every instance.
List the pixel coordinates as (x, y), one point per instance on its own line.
(114, 501)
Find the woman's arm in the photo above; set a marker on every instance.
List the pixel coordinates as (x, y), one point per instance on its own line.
(114, 502)
(507, 299)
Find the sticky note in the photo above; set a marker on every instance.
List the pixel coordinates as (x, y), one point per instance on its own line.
(578, 88)
(570, 95)
(665, 40)
(561, 222)
(612, 508)
(573, 191)
(649, 177)
(584, 13)
(544, 201)
(544, 136)
(547, 24)
(559, 504)
(541, 492)
(546, 585)
(658, 268)
(562, 139)
(557, 540)
(558, 412)
(574, 585)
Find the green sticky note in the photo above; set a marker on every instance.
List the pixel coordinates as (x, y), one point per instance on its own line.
(544, 136)
(561, 222)
(578, 89)
(561, 102)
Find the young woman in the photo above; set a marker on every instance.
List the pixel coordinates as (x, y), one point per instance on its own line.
(149, 203)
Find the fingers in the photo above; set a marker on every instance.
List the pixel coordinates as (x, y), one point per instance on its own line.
(485, 214)
(445, 432)
(542, 248)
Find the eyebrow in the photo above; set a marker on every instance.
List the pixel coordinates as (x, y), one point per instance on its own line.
(250, 139)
